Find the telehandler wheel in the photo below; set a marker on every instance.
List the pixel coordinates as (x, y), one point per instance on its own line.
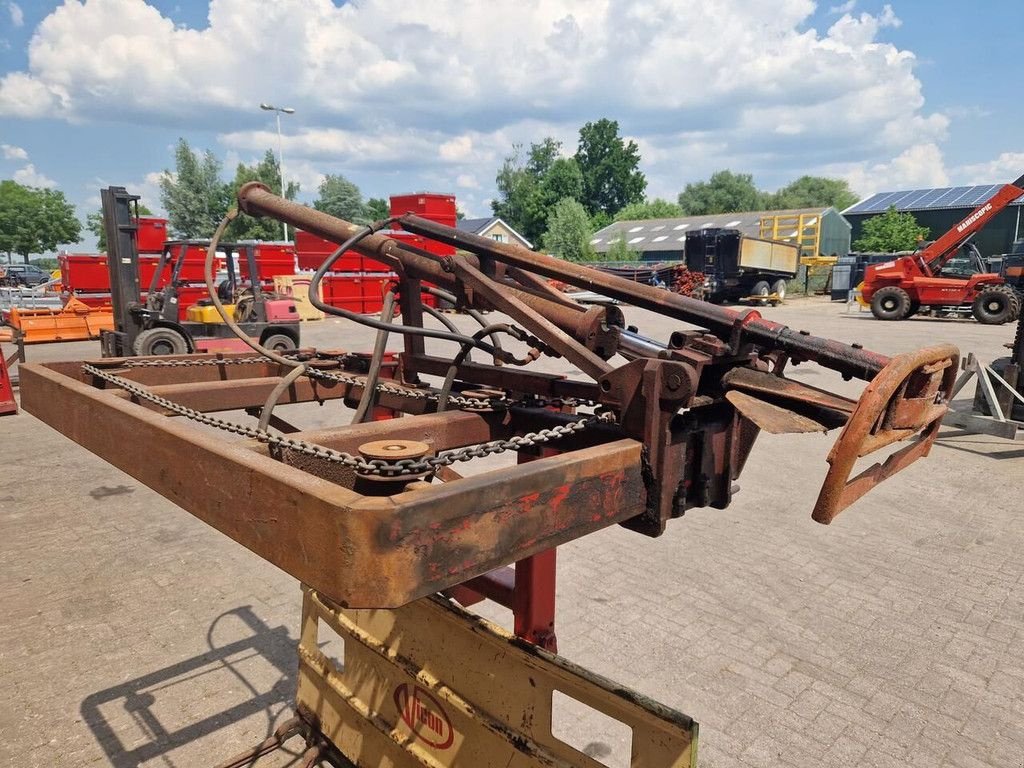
(160, 341)
(915, 307)
(995, 305)
(279, 342)
(890, 303)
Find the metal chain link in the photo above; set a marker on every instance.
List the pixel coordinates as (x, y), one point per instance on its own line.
(377, 467)
(465, 403)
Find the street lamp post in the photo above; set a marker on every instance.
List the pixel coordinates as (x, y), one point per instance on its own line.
(280, 149)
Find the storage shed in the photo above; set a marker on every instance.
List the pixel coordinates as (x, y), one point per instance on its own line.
(940, 208)
(818, 232)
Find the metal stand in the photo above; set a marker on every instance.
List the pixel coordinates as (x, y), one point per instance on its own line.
(998, 398)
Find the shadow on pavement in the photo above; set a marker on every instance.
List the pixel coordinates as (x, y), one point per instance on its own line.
(147, 718)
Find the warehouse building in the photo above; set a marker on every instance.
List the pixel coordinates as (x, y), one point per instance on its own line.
(818, 232)
(940, 208)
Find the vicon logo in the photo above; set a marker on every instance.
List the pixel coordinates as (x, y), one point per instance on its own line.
(424, 716)
(973, 218)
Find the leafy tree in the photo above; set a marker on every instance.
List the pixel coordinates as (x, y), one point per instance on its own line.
(35, 220)
(812, 192)
(569, 233)
(193, 195)
(724, 192)
(515, 188)
(531, 182)
(651, 209)
(890, 232)
(342, 198)
(619, 250)
(94, 223)
(268, 172)
(377, 209)
(610, 168)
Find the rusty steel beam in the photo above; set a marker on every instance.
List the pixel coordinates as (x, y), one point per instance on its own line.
(362, 551)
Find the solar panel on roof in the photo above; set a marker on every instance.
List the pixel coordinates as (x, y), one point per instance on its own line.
(926, 199)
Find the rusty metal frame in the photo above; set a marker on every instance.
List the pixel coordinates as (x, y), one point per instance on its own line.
(687, 414)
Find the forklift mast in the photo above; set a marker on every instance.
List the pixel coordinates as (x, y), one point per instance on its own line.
(123, 263)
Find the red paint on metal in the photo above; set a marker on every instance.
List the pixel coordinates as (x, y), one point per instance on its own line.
(8, 405)
(424, 715)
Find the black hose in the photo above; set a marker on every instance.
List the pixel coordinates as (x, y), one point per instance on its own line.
(315, 300)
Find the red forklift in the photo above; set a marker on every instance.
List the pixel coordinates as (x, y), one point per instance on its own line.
(900, 288)
(154, 326)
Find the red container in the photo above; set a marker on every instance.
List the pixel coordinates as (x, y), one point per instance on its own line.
(152, 234)
(84, 272)
(439, 208)
(271, 260)
(357, 293)
(426, 204)
(312, 250)
(147, 267)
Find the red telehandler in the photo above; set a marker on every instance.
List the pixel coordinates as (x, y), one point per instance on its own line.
(899, 288)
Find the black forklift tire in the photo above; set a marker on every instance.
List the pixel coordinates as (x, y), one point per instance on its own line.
(890, 303)
(160, 341)
(279, 342)
(995, 305)
(761, 288)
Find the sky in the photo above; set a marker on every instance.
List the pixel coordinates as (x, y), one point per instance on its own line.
(403, 96)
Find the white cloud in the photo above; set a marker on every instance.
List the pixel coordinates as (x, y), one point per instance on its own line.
(30, 177)
(919, 166)
(11, 152)
(1004, 169)
(386, 85)
(846, 7)
(17, 15)
(467, 181)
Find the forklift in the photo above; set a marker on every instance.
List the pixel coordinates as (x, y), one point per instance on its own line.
(153, 326)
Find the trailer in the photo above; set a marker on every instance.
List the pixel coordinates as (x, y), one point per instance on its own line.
(736, 266)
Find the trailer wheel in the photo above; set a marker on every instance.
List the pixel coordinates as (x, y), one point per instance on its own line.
(761, 288)
(995, 305)
(279, 342)
(779, 289)
(890, 303)
(160, 341)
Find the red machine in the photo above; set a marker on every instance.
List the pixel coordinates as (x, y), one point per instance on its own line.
(897, 289)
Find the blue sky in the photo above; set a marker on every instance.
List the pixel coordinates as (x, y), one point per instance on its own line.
(402, 96)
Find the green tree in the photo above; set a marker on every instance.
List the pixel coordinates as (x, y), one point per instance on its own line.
(94, 223)
(377, 209)
(531, 182)
(610, 168)
(890, 232)
(342, 198)
(724, 192)
(619, 250)
(812, 192)
(35, 220)
(193, 194)
(650, 209)
(569, 233)
(266, 171)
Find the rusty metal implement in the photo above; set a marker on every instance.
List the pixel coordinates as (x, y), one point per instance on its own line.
(375, 515)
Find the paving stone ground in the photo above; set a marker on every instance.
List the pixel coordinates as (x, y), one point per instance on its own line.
(132, 634)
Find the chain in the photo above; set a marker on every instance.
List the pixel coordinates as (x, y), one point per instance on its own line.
(379, 467)
(465, 403)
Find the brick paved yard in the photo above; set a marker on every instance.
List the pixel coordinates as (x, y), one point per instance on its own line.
(132, 634)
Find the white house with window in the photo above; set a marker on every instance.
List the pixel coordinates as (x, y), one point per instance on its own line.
(494, 228)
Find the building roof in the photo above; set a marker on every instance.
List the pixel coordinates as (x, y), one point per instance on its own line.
(480, 227)
(670, 234)
(934, 198)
